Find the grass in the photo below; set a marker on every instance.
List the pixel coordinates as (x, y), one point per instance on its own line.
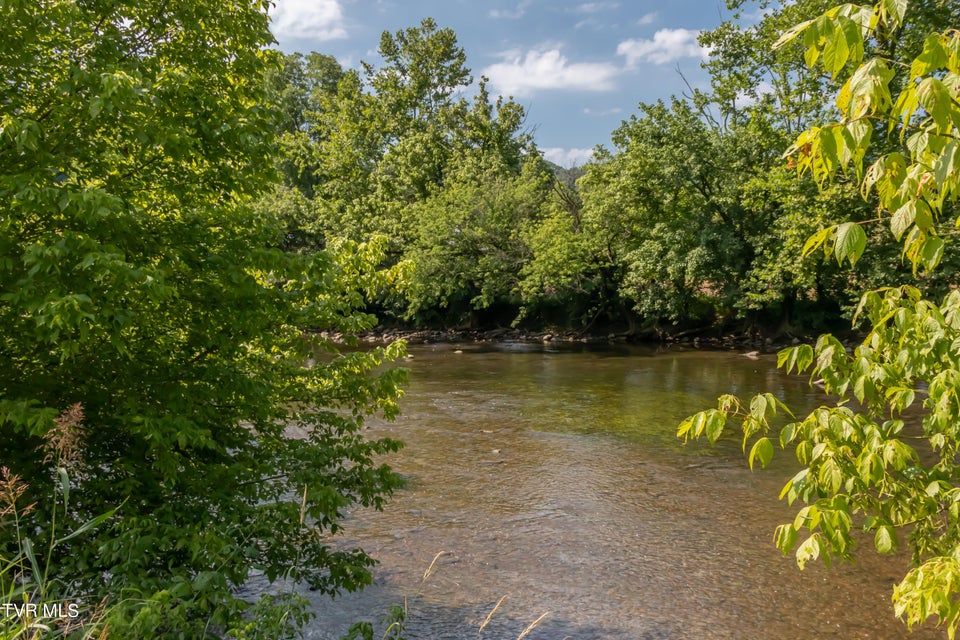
(30, 607)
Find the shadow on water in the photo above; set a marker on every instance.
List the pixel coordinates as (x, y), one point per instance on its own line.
(556, 479)
(433, 621)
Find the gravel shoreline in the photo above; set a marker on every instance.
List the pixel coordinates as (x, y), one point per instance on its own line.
(385, 335)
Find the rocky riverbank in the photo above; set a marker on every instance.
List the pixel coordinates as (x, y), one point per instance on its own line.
(382, 335)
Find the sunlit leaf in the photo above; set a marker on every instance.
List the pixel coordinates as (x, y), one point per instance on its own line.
(885, 539)
(762, 450)
(851, 242)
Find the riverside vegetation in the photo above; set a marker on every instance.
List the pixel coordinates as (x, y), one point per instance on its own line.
(178, 202)
(883, 459)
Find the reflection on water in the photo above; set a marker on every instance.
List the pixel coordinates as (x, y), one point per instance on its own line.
(555, 478)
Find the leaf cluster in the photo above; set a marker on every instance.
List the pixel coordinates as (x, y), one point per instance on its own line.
(883, 458)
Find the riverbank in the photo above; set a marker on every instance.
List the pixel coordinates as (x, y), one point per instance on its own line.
(694, 339)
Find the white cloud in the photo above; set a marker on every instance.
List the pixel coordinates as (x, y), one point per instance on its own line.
(602, 112)
(647, 18)
(520, 75)
(568, 157)
(594, 7)
(666, 46)
(317, 19)
(511, 14)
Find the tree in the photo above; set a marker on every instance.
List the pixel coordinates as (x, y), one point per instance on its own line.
(137, 282)
(424, 68)
(675, 218)
(469, 245)
(750, 80)
(390, 154)
(883, 459)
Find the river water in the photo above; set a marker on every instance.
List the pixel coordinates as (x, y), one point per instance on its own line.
(553, 477)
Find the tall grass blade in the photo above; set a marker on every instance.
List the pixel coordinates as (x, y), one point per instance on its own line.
(532, 626)
(86, 526)
(429, 571)
(490, 615)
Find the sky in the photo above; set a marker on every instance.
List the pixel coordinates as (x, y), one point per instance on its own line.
(578, 68)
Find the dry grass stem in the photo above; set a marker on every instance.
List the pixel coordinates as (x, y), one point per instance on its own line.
(490, 615)
(429, 571)
(303, 505)
(532, 625)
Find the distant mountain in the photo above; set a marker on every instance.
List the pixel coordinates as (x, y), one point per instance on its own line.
(568, 177)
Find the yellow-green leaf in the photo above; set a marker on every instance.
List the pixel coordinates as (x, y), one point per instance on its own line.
(885, 539)
(762, 450)
(851, 242)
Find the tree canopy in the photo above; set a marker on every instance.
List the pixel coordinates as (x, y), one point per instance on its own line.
(139, 286)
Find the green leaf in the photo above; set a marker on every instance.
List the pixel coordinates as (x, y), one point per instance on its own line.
(934, 97)
(932, 252)
(830, 475)
(851, 242)
(836, 51)
(791, 490)
(900, 398)
(853, 37)
(933, 57)
(787, 434)
(27, 545)
(785, 538)
(895, 11)
(714, 425)
(86, 526)
(815, 241)
(791, 34)
(885, 539)
(903, 218)
(809, 550)
(761, 408)
(762, 450)
(870, 468)
(946, 165)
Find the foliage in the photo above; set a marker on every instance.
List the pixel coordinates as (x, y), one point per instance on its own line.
(137, 280)
(469, 245)
(684, 221)
(750, 80)
(396, 151)
(888, 467)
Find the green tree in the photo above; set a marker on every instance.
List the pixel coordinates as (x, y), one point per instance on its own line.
(393, 148)
(137, 281)
(385, 136)
(470, 243)
(886, 464)
(674, 218)
(302, 86)
(764, 96)
(750, 80)
(423, 69)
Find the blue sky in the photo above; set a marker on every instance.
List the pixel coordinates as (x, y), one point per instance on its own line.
(579, 68)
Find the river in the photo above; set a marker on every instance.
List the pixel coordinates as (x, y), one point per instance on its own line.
(553, 477)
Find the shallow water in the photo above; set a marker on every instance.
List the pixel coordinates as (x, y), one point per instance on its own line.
(554, 478)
